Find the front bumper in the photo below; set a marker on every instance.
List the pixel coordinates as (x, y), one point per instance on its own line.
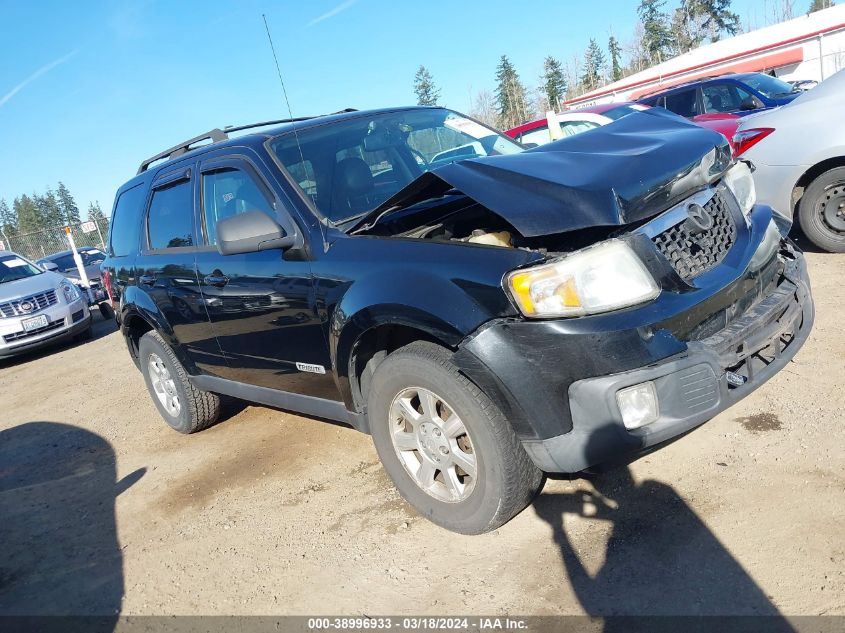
(64, 321)
(556, 380)
(691, 388)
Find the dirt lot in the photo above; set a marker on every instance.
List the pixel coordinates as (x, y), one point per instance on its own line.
(102, 508)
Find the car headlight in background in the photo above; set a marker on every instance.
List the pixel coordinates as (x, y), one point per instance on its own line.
(741, 183)
(601, 278)
(70, 291)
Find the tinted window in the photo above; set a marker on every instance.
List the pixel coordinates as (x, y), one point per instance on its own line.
(723, 97)
(169, 221)
(125, 222)
(682, 103)
(227, 192)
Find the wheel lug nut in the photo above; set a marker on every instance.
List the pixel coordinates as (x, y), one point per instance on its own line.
(437, 432)
(444, 450)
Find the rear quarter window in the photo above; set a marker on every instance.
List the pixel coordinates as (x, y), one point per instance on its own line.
(126, 222)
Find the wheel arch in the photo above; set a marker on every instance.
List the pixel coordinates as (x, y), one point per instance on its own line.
(375, 333)
(810, 175)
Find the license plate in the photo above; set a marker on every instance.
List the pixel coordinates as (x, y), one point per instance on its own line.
(34, 323)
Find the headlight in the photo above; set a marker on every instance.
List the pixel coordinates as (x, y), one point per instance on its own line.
(600, 278)
(70, 291)
(740, 181)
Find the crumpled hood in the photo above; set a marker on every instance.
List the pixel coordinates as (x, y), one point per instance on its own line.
(624, 172)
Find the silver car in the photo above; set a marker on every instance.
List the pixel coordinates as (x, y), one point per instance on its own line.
(799, 154)
(37, 307)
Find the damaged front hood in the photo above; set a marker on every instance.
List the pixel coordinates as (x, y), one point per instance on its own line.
(624, 172)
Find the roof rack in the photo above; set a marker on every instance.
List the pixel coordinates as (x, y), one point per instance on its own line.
(216, 135)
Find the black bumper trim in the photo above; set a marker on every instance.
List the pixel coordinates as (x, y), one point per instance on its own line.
(692, 387)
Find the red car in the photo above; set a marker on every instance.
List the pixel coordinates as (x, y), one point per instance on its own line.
(576, 121)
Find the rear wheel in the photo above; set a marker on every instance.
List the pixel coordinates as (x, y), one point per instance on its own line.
(448, 449)
(184, 407)
(822, 211)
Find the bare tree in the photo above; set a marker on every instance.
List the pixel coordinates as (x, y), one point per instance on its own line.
(483, 107)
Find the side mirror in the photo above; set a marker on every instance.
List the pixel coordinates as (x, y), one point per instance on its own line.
(49, 266)
(250, 232)
(750, 103)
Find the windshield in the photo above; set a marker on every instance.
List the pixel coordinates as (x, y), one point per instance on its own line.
(65, 263)
(769, 86)
(352, 166)
(13, 267)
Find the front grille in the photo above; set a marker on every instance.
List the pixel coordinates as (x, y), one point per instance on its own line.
(17, 336)
(694, 253)
(36, 302)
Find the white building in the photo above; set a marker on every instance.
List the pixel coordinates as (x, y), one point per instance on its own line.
(809, 47)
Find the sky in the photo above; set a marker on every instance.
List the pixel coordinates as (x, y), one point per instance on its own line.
(89, 89)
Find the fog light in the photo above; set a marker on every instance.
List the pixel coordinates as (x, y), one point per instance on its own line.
(638, 405)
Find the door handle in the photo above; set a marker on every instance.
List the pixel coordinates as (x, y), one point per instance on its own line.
(147, 280)
(216, 280)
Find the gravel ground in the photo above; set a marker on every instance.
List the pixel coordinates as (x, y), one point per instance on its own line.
(104, 509)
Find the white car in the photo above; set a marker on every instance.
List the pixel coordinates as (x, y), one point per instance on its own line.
(798, 151)
(37, 307)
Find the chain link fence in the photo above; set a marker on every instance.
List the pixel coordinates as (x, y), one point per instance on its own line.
(39, 244)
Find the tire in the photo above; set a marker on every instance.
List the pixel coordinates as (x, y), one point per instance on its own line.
(197, 409)
(822, 211)
(106, 311)
(505, 480)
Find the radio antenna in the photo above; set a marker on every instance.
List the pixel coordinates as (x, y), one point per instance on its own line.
(287, 102)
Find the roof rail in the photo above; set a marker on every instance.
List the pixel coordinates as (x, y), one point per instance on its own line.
(217, 135)
(214, 136)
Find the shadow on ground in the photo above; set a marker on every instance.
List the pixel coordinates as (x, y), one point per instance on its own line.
(59, 553)
(660, 560)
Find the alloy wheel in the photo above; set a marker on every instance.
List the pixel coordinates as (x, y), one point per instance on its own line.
(164, 385)
(433, 444)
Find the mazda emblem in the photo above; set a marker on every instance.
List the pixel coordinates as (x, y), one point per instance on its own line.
(699, 219)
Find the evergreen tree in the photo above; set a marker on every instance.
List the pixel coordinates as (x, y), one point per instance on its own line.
(818, 5)
(8, 221)
(657, 37)
(698, 20)
(594, 64)
(510, 95)
(49, 212)
(70, 212)
(26, 212)
(95, 214)
(554, 82)
(615, 51)
(427, 93)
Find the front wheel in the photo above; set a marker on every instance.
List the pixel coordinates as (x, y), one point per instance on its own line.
(448, 449)
(822, 211)
(184, 407)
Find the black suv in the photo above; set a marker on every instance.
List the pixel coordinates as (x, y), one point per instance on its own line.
(487, 313)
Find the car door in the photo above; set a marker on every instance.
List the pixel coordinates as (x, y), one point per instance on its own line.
(166, 266)
(261, 305)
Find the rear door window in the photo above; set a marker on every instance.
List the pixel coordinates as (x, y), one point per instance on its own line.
(170, 218)
(683, 102)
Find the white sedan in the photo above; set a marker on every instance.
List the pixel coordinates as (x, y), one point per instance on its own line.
(798, 151)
